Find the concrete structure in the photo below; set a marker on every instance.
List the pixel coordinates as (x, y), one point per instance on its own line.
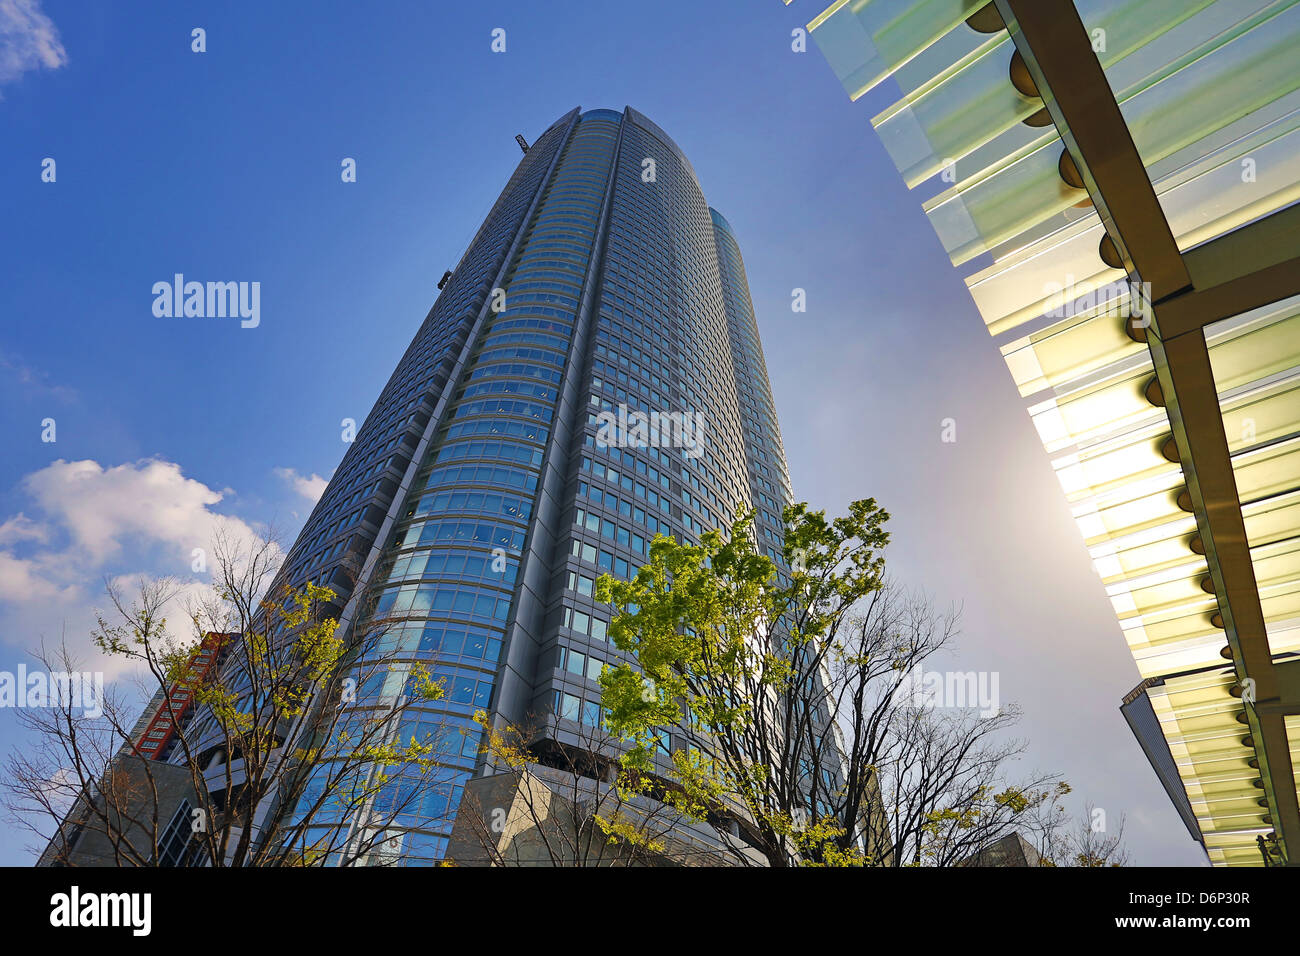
(121, 830)
(141, 786)
(541, 816)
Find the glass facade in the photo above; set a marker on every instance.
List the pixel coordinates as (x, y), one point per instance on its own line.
(482, 497)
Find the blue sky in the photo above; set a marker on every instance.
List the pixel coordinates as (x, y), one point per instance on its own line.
(224, 165)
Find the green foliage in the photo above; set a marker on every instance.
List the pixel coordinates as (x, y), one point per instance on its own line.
(715, 629)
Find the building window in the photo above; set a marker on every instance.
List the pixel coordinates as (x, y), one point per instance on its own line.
(175, 840)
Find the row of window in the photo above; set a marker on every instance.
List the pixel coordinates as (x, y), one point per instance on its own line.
(464, 532)
(625, 508)
(624, 478)
(609, 530)
(444, 600)
(487, 503)
(528, 431)
(564, 329)
(505, 406)
(517, 369)
(521, 352)
(583, 623)
(605, 560)
(511, 387)
(579, 664)
(468, 565)
(482, 475)
(440, 639)
(498, 450)
(569, 707)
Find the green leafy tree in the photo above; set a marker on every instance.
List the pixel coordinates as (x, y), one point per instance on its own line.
(736, 653)
(803, 738)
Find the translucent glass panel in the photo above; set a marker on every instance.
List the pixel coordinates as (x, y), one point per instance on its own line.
(1264, 472)
(1071, 348)
(1199, 719)
(1211, 94)
(1249, 348)
(1293, 738)
(1111, 457)
(1028, 283)
(1282, 617)
(974, 216)
(1175, 641)
(866, 40)
(1256, 363)
(1158, 87)
(1111, 463)
(1126, 462)
(952, 116)
(1264, 415)
(1225, 78)
(1132, 510)
(1273, 520)
(1277, 565)
(1245, 177)
(973, 100)
(1214, 167)
(1097, 409)
(1251, 174)
(1158, 549)
(1123, 491)
(1173, 590)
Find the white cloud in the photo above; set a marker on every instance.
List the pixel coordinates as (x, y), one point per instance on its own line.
(29, 40)
(310, 488)
(24, 580)
(130, 522)
(104, 508)
(22, 528)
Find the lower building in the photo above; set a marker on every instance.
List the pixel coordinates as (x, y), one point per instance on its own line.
(1012, 850)
(140, 814)
(540, 816)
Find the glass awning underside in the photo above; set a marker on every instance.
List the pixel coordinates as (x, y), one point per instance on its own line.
(1119, 178)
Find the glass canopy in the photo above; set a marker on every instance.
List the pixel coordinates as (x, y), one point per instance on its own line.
(1092, 158)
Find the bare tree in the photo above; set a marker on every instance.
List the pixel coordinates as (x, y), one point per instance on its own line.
(290, 745)
(1090, 840)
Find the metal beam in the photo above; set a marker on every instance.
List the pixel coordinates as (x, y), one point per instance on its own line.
(1058, 54)
(1251, 266)
(1192, 402)
(1288, 682)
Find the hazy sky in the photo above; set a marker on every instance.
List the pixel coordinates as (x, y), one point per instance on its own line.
(225, 166)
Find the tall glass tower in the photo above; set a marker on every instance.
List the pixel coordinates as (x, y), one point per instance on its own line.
(480, 501)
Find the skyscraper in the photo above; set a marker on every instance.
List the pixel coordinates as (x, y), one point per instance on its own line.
(481, 499)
